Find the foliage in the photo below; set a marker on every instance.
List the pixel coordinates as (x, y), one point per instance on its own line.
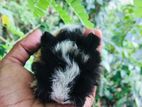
(63, 14)
(121, 79)
(138, 7)
(39, 7)
(80, 12)
(121, 25)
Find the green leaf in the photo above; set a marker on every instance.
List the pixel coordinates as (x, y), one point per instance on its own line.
(80, 11)
(138, 8)
(63, 14)
(38, 7)
(106, 65)
(2, 50)
(15, 30)
(7, 22)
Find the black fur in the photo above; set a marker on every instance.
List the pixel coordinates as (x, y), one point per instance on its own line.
(84, 83)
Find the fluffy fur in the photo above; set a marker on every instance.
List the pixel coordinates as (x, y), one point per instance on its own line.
(68, 67)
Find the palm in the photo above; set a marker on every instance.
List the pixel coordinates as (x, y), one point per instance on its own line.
(15, 86)
(15, 90)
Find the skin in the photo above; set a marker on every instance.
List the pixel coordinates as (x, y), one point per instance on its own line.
(15, 80)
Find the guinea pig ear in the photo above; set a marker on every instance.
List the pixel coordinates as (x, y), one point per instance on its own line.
(47, 39)
(92, 41)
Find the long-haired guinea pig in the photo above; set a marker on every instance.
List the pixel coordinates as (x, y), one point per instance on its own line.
(68, 66)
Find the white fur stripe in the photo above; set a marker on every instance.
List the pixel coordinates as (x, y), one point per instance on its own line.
(61, 79)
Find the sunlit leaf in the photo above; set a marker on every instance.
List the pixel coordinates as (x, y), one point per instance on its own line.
(63, 14)
(15, 30)
(80, 11)
(10, 26)
(38, 7)
(5, 20)
(138, 8)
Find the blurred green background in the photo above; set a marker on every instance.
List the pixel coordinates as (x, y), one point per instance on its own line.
(120, 22)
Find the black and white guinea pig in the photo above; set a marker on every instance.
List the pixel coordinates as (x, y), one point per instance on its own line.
(67, 67)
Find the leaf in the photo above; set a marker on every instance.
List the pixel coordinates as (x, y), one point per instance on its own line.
(2, 50)
(38, 7)
(5, 11)
(15, 30)
(5, 20)
(106, 65)
(63, 14)
(80, 11)
(10, 26)
(100, 2)
(138, 8)
(121, 101)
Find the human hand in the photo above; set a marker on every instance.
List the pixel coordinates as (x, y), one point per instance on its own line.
(15, 80)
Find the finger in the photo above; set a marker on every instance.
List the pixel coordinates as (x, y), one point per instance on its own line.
(90, 99)
(22, 50)
(98, 33)
(58, 105)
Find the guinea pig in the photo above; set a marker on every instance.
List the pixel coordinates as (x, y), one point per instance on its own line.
(67, 66)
